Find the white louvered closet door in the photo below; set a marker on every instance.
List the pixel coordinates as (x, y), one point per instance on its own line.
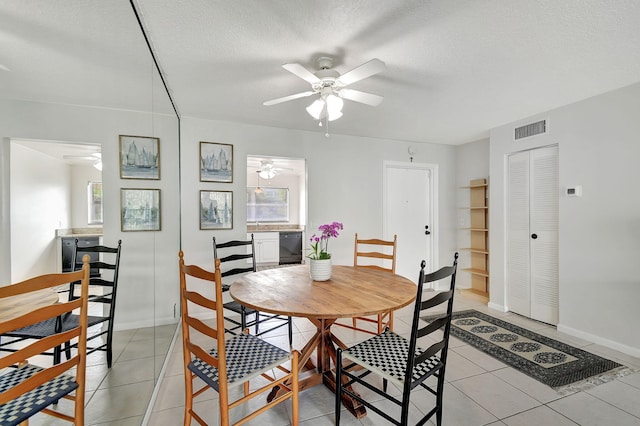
(532, 228)
(544, 225)
(518, 255)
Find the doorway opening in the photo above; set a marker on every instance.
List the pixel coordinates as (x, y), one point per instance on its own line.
(49, 196)
(276, 191)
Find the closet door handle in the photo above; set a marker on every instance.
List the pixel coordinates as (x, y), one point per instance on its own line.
(534, 236)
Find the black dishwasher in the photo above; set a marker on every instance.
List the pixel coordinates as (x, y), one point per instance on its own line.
(68, 244)
(290, 247)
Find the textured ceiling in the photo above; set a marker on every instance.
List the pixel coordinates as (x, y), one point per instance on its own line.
(455, 69)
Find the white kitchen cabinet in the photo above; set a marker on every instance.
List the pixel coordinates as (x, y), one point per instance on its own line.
(267, 245)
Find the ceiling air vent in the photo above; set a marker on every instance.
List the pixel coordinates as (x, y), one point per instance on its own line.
(530, 130)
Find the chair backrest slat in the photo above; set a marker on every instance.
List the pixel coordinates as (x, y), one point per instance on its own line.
(441, 345)
(110, 261)
(234, 262)
(359, 253)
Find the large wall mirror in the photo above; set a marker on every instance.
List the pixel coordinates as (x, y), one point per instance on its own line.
(74, 77)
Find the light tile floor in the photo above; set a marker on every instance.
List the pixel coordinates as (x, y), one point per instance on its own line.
(120, 395)
(480, 390)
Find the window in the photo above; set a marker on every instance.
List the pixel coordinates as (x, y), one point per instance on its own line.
(94, 203)
(267, 204)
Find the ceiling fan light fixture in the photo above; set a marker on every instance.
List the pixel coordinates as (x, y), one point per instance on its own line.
(334, 107)
(267, 174)
(316, 108)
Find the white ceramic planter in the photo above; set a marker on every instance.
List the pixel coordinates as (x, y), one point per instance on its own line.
(320, 270)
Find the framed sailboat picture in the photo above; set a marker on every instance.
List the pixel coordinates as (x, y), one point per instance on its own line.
(139, 157)
(216, 210)
(216, 162)
(139, 209)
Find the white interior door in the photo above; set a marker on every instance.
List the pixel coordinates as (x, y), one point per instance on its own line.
(409, 213)
(532, 228)
(518, 253)
(544, 226)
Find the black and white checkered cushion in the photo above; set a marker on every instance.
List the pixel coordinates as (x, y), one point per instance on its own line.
(386, 355)
(25, 406)
(247, 357)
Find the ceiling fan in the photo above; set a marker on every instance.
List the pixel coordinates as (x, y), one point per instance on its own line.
(89, 157)
(268, 170)
(332, 87)
(95, 157)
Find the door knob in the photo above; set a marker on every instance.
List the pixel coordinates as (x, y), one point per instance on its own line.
(534, 236)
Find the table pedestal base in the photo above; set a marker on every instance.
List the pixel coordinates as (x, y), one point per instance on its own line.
(323, 343)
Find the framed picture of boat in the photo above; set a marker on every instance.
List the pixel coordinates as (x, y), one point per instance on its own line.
(139, 209)
(139, 157)
(216, 210)
(216, 162)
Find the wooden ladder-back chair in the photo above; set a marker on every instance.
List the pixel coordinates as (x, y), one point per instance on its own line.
(103, 286)
(223, 363)
(103, 283)
(26, 388)
(238, 257)
(361, 254)
(401, 361)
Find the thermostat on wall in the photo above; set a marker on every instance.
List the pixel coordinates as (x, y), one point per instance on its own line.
(574, 191)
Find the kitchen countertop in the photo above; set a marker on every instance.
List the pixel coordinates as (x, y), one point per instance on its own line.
(79, 232)
(274, 228)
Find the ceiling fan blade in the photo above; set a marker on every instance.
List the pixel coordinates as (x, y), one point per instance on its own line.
(302, 72)
(88, 156)
(288, 98)
(365, 70)
(362, 97)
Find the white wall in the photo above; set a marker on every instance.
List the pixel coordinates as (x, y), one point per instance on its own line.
(472, 162)
(41, 204)
(599, 233)
(344, 182)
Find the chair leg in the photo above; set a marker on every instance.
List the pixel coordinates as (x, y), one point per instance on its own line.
(67, 350)
(109, 344)
(109, 356)
(243, 320)
(439, 395)
(57, 354)
(404, 416)
(290, 331)
(295, 387)
(338, 385)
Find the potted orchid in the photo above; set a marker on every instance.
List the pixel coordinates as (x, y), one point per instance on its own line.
(320, 264)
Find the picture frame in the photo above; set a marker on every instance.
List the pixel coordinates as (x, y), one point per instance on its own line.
(139, 157)
(216, 210)
(140, 209)
(216, 162)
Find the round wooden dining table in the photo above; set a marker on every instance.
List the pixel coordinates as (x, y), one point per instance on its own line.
(351, 292)
(14, 306)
